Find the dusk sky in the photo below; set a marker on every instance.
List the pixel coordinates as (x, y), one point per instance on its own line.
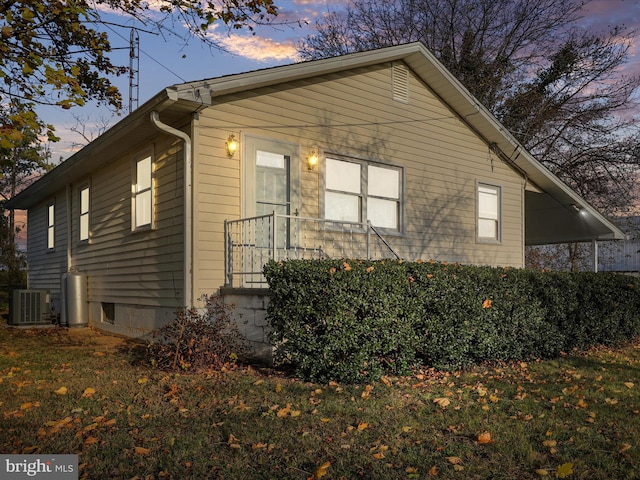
(167, 61)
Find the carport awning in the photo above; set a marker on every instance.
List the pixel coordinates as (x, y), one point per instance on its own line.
(549, 219)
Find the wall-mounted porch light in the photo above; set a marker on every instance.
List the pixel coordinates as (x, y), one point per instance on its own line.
(231, 145)
(312, 159)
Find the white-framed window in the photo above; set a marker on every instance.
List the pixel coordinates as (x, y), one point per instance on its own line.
(358, 190)
(142, 193)
(51, 226)
(84, 214)
(489, 205)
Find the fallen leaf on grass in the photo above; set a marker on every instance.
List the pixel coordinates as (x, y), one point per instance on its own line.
(542, 472)
(442, 401)
(628, 384)
(624, 447)
(61, 391)
(367, 392)
(233, 442)
(362, 426)
(485, 438)
(143, 380)
(454, 460)
(88, 392)
(283, 412)
(433, 471)
(564, 470)
(142, 451)
(321, 471)
(286, 411)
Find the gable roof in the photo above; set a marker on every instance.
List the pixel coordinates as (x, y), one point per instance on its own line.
(554, 212)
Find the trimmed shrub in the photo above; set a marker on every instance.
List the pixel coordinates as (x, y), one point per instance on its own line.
(353, 321)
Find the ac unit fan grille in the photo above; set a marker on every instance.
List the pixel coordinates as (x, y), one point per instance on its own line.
(29, 307)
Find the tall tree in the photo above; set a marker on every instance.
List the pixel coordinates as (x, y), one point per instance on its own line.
(56, 52)
(21, 161)
(559, 88)
(53, 51)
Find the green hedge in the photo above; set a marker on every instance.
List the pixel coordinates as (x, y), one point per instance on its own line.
(353, 321)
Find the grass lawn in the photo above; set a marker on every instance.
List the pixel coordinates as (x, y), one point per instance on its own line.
(574, 417)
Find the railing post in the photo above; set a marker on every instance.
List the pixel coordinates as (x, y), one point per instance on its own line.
(368, 228)
(228, 256)
(274, 237)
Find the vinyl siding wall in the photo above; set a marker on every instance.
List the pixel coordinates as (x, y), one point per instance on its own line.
(47, 266)
(140, 273)
(354, 115)
(133, 267)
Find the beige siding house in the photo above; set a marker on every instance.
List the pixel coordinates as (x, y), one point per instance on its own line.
(375, 154)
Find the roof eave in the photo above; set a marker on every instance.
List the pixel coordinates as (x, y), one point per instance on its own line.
(89, 157)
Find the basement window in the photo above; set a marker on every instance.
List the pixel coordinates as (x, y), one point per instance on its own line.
(108, 312)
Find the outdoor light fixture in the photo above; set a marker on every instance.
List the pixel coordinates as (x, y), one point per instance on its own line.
(312, 159)
(231, 145)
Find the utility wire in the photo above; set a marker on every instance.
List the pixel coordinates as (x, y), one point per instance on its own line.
(147, 54)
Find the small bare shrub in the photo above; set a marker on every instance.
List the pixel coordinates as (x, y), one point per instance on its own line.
(198, 338)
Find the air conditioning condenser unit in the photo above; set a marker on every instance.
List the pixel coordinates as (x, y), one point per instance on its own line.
(29, 307)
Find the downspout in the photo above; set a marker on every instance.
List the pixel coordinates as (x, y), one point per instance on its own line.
(69, 230)
(188, 257)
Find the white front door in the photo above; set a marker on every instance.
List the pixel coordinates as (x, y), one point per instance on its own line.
(271, 184)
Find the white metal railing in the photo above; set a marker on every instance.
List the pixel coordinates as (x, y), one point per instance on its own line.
(251, 242)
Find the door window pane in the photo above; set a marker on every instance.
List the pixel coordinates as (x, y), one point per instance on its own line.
(270, 159)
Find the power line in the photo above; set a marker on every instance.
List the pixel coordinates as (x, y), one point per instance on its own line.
(145, 53)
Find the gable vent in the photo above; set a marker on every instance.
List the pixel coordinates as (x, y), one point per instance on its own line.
(400, 82)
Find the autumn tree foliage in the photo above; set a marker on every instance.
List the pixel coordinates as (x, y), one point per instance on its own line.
(559, 87)
(55, 52)
(23, 156)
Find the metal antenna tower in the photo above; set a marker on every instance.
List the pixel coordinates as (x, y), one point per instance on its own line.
(134, 69)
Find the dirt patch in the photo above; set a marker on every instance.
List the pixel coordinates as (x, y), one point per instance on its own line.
(90, 336)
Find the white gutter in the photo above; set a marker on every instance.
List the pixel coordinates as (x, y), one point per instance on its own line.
(188, 257)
